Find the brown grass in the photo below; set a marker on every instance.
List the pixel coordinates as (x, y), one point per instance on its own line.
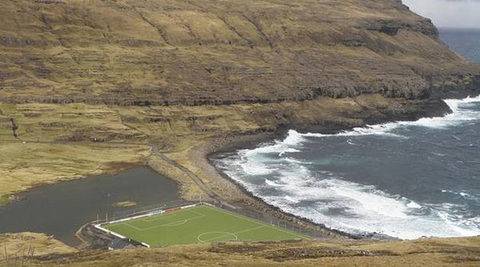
(195, 52)
(25, 165)
(61, 142)
(424, 252)
(20, 245)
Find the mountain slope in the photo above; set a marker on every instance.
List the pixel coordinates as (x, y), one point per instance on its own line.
(196, 52)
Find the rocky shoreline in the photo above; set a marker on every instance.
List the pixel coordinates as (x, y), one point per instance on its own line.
(195, 169)
(234, 143)
(186, 157)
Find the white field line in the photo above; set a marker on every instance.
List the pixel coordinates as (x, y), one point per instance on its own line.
(258, 222)
(189, 206)
(118, 235)
(131, 226)
(157, 218)
(289, 232)
(235, 234)
(137, 217)
(165, 211)
(217, 237)
(197, 213)
(108, 231)
(163, 225)
(157, 212)
(148, 214)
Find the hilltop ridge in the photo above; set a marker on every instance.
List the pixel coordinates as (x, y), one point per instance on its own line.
(194, 52)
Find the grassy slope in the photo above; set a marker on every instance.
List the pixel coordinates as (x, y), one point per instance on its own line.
(58, 142)
(28, 244)
(209, 52)
(425, 252)
(264, 65)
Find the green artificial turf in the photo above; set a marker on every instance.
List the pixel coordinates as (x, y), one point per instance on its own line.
(199, 224)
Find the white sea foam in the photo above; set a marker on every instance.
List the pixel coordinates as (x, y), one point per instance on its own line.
(273, 183)
(345, 205)
(366, 209)
(253, 167)
(291, 143)
(414, 205)
(463, 194)
(458, 115)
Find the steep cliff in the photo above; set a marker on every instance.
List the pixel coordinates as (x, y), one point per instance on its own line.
(196, 52)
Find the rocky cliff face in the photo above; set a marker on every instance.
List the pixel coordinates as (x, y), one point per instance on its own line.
(196, 52)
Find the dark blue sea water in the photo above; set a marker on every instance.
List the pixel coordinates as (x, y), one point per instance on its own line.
(466, 42)
(402, 179)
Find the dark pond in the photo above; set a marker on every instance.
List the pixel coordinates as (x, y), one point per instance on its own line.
(61, 209)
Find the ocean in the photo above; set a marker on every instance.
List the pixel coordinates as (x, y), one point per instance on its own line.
(400, 179)
(465, 42)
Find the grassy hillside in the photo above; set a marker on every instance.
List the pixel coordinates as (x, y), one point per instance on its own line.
(29, 244)
(196, 52)
(137, 74)
(58, 142)
(425, 252)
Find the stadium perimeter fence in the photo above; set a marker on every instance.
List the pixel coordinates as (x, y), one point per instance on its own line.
(292, 224)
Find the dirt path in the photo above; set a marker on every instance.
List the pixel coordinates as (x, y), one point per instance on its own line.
(220, 189)
(194, 178)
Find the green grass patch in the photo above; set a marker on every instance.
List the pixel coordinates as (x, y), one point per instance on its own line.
(4, 200)
(200, 224)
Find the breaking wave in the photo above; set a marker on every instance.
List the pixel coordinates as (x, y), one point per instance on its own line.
(460, 113)
(269, 172)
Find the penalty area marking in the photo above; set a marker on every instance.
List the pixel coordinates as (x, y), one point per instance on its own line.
(199, 237)
(222, 234)
(170, 224)
(158, 218)
(261, 223)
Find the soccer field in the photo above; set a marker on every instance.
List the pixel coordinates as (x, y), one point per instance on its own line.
(198, 224)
